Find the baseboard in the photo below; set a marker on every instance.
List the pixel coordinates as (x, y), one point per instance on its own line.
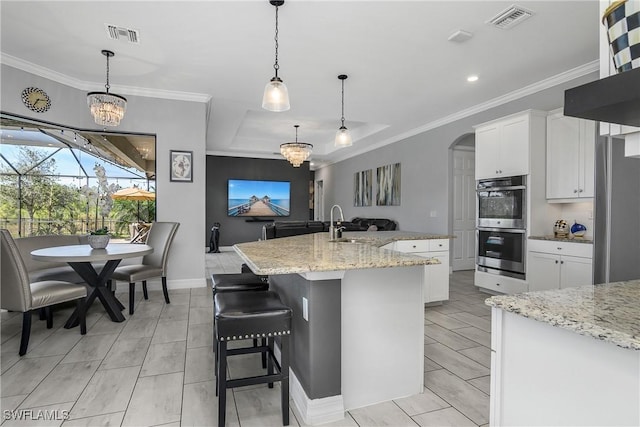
(156, 284)
(315, 411)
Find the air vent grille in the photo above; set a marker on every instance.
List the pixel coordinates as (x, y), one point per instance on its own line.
(510, 17)
(123, 34)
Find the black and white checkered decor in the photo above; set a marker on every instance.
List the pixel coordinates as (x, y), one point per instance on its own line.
(623, 30)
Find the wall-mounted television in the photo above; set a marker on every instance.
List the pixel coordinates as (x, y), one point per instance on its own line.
(258, 198)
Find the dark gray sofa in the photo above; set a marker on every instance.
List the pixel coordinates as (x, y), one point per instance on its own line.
(294, 228)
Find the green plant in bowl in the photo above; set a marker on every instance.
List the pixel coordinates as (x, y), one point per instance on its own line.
(100, 232)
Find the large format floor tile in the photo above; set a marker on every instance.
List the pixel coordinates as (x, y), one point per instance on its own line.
(156, 367)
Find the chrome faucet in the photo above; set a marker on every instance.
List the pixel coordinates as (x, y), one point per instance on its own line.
(335, 232)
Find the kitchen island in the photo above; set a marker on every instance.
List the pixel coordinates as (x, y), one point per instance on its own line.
(358, 325)
(567, 357)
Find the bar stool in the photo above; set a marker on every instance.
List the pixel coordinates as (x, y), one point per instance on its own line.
(247, 315)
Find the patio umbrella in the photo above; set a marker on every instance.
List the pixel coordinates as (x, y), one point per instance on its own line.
(136, 194)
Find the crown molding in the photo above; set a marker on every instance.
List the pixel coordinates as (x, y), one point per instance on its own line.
(55, 76)
(547, 83)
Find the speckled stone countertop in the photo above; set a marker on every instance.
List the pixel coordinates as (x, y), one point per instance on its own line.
(314, 252)
(563, 239)
(608, 312)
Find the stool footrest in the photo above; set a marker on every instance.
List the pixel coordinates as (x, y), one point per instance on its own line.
(261, 379)
(246, 350)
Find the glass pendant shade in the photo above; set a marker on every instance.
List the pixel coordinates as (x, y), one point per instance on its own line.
(107, 109)
(343, 138)
(276, 96)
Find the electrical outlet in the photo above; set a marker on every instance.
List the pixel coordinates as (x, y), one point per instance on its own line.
(305, 309)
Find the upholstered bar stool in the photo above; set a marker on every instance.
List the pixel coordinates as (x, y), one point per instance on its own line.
(252, 315)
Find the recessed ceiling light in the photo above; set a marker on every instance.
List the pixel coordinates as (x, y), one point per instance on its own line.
(472, 78)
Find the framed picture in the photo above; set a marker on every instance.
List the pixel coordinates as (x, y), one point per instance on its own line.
(388, 180)
(181, 166)
(362, 188)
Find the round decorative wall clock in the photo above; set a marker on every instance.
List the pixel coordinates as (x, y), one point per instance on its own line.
(36, 99)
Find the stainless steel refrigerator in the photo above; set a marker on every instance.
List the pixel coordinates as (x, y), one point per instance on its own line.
(617, 213)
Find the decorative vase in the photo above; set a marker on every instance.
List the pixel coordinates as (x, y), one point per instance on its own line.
(621, 19)
(578, 230)
(561, 229)
(98, 241)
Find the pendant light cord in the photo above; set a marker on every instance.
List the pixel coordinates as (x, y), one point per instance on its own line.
(342, 119)
(275, 65)
(107, 85)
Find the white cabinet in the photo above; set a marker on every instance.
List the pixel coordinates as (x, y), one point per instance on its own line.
(556, 265)
(570, 157)
(502, 146)
(436, 277)
(497, 283)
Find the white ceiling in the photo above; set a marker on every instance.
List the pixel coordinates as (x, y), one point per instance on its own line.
(404, 75)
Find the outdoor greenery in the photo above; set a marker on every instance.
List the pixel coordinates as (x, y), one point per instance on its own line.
(50, 206)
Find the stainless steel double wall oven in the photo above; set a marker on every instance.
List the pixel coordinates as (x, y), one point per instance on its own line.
(502, 225)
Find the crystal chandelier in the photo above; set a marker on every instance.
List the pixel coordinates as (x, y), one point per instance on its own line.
(296, 152)
(343, 137)
(276, 95)
(107, 108)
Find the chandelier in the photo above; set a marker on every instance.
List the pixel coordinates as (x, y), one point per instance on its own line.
(276, 95)
(296, 152)
(343, 137)
(107, 108)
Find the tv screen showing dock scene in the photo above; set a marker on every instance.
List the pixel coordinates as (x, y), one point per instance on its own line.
(258, 198)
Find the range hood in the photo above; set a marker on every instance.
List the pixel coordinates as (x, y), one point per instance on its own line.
(614, 99)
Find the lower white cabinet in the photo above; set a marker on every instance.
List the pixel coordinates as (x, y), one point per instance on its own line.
(557, 265)
(436, 277)
(498, 283)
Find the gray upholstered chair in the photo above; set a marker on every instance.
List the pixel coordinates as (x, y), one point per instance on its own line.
(153, 265)
(18, 294)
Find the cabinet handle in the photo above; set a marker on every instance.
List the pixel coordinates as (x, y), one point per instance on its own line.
(559, 248)
(497, 171)
(561, 262)
(414, 246)
(575, 191)
(580, 190)
(497, 284)
(556, 261)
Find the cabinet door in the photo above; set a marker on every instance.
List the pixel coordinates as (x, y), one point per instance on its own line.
(543, 271)
(576, 271)
(587, 152)
(487, 149)
(437, 278)
(514, 147)
(563, 157)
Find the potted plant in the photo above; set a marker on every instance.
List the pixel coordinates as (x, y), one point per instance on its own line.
(99, 239)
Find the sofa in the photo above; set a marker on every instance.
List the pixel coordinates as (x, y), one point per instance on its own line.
(44, 270)
(294, 228)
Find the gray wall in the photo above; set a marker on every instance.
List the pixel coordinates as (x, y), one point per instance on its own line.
(176, 124)
(238, 229)
(425, 160)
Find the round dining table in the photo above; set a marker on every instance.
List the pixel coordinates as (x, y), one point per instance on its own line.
(81, 258)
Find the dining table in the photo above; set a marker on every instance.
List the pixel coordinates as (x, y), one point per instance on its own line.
(82, 259)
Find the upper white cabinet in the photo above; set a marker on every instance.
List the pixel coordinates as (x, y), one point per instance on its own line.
(503, 146)
(570, 157)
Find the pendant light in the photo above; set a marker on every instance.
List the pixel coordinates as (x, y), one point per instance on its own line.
(107, 108)
(296, 152)
(343, 136)
(276, 95)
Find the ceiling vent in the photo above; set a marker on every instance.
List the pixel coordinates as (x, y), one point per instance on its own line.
(510, 17)
(122, 34)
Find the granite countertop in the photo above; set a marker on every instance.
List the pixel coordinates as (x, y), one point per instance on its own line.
(314, 252)
(607, 312)
(563, 239)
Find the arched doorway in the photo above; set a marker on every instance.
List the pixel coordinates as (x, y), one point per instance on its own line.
(463, 203)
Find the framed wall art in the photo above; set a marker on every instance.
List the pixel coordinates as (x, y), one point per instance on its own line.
(362, 193)
(181, 166)
(388, 182)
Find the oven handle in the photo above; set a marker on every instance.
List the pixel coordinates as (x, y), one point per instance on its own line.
(513, 187)
(504, 230)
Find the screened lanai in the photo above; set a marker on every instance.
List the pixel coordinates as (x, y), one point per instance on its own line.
(59, 180)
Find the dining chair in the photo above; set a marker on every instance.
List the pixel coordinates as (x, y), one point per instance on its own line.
(153, 265)
(17, 293)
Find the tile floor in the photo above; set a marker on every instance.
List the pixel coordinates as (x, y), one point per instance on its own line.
(156, 367)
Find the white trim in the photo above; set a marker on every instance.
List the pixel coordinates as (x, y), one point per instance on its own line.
(55, 76)
(315, 411)
(547, 83)
(323, 275)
